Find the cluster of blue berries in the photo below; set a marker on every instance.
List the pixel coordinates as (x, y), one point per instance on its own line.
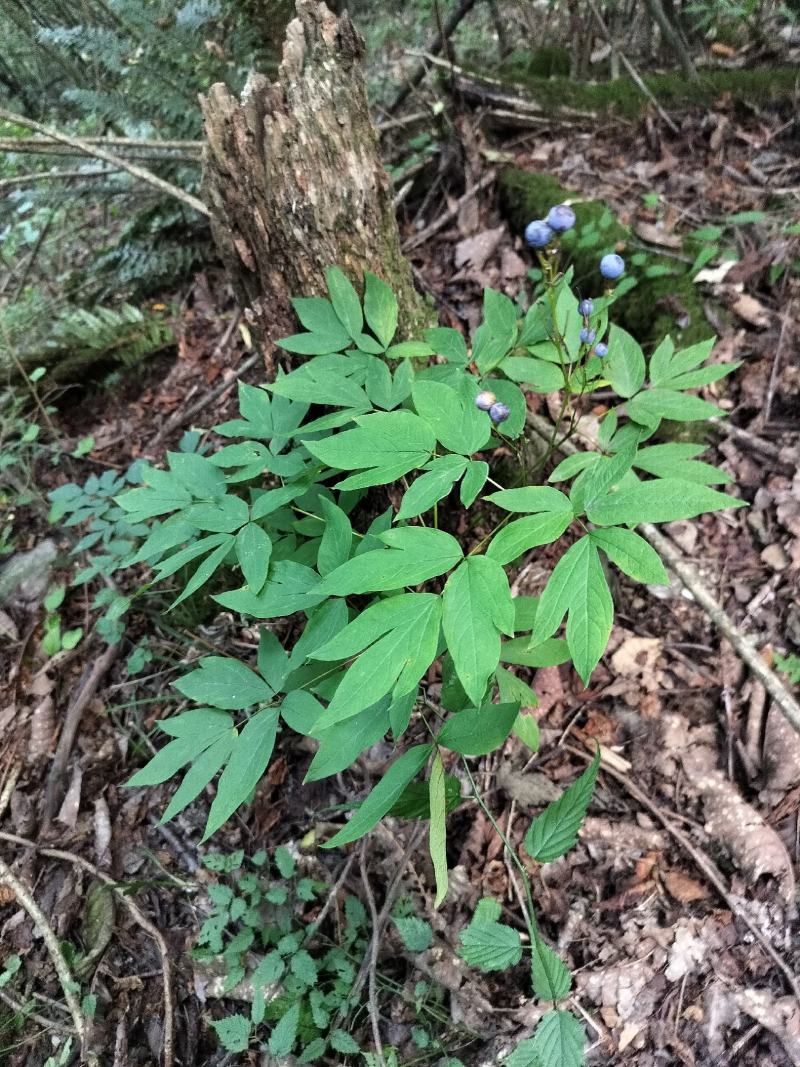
(487, 401)
(542, 232)
(587, 335)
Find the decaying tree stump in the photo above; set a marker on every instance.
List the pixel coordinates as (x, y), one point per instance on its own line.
(294, 181)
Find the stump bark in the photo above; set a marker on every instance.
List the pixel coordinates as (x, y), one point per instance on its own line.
(294, 181)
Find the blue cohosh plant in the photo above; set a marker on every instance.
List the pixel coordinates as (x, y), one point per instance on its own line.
(334, 499)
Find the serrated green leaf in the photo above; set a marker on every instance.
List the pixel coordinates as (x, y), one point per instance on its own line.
(476, 609)
(284, 861)
(383, 796)
(490, 946)
(555, 831)
(662, 500)
(233, 1032)
(344, 1043)
(415, 933)
(303, 968)
(437, 837)
(282, 1039)
(251, 754)
(559, 1041)
(551, 978)
(478, 731)
(632, 554)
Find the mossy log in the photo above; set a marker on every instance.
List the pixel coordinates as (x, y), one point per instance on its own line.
(295, 183)
(664, 302)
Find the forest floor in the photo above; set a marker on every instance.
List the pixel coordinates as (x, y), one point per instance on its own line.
(686, 867)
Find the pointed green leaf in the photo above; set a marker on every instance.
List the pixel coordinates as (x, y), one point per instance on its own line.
(432, 486)
(523, 534)
(663, 500)
(253, 550)
(555, 831)
(531, 499)
(490, 946)
(632, 554)
(224, 683)
(337, 538)
(380, 308)
(415, 933)
(203, 769)
(551, 978)
(345, 301)
(282, 1039)
(473, 481)
(252, 751)
(478, 731)
(624, 367)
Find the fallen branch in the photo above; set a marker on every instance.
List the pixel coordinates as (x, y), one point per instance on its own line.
(436, 45)
(86, 690)
(65, 977)
(703, 597)
(439, 224)
(136, 913)
(118, 161)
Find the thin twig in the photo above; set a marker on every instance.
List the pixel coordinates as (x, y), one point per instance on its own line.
(706, 866)
(86, 690)
(372, 957)
(439, 224)
(28, 1013)
(137, 915)
(691, 580)
(65, 977)
(100, 153)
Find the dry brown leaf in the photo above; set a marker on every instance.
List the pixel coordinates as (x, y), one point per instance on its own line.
(475, 251)
(751, 310)
(780, 1016)
(781, 754)
(655, 234)
(683, 888)
(636, 657)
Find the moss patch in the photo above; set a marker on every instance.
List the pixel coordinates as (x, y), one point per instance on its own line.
(664, 301)
(622, 97)
(551, 62)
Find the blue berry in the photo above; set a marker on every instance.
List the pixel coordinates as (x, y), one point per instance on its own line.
(587, 335)
(586, 307)
(538, 234)
(560, 218)
(601, 350)
(499, 412)
(485, 400)
(612, 266)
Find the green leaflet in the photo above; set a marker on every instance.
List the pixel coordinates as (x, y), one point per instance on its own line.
(395, 441)
(523, 534)
(252, 751)
(380, 308)
(345, 301)
(282, 1039)
(663, 500)
(415, 933)
(555, 831)
(341, 744)
(531, 499)
(559, 1041)
(437, 836)
(414, 555)
(477, 608)
(677, 460)
(203, 769)
(224, 683)
(577, 586)
(383, 796)
(253, 551)
(550, 976)
(397, 640)
(291, 587)
(337, 538)
(650, 406)
(632, 554)
(477, 731)
(473, 481)
(624, 366)
(193, 732)
(490, 946)
(452, 415)
(431, 487)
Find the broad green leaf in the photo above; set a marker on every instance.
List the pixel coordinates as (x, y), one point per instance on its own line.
(526, 728)
(197, 474)
(477, 608)
(531, 499)
(512, 396)
(536, 324)
(490, 946)
(514, 690)
(449, 343)
(345, 301)
(523, 534)
(555, 831)
(415, 554)
(315, 344)
(380, 308)
(395, 439)
(318, 316)
(342, 1042)
(520, 651)
(301, 711)
(594, 482)
(253, 550)
(202, 771)
(291, 587)
(473, 481)
(273, 662)
(452, 415)
(303, 967)
(282, 1039)
(341, 744)
(437, 837)
(164, 537)
(316, 382)
(662, 500)
(676, 460)
(416, 934)
(624, 366)
(632, 554)
(233, 1032)
(539, 375)
(252, 751)
(654, 404)
(478, 731)
(573, 465)
(499, 312)
(432, 486)
(559, 1041)
(337, 538)
(665, 363)
(224, 683)
(223, 516)
(196, 723)
(409, 350)
(551, 978)
(383, 796)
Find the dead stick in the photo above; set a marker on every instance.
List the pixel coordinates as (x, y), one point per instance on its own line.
(100, 153)
(138, 916)
(704, 598)
(68, 983)
(706, 866)
(72, 719)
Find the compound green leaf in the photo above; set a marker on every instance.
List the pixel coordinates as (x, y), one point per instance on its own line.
(252, 751)
(383, 796)
(415, 554)
(449, 343)
(318, 316)
(194, 732)
(555, 831)
(452, 416)
(677, 460)
(651, 405)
